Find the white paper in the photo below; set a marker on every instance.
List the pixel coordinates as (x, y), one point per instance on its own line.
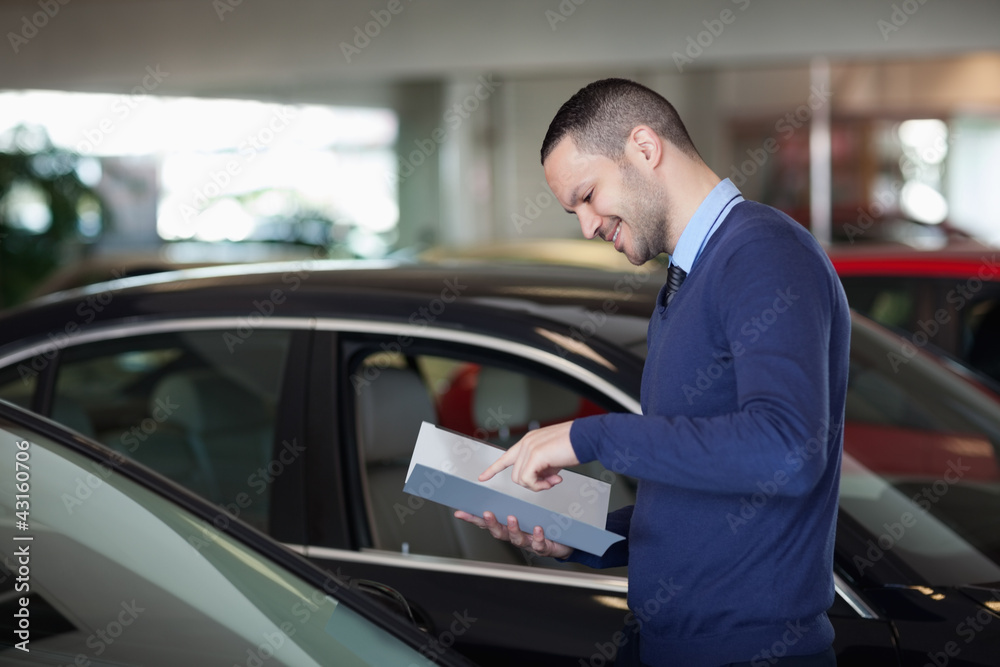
(445, 468)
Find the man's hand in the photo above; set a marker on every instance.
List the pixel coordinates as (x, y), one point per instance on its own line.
(512, 533)
(537, 458)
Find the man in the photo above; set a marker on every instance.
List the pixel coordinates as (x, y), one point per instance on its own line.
(738, 480)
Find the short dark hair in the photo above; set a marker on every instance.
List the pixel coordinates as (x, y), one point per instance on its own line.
(600, 116)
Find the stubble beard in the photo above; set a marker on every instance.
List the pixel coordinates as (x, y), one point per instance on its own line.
(646, 213)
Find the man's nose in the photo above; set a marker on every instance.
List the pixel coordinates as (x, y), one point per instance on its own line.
(590, 224)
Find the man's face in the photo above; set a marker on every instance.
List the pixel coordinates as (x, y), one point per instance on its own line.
(615, 202)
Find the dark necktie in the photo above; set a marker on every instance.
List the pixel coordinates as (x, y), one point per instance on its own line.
(675, 276)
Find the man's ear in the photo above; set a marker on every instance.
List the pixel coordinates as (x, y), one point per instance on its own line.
(645, 145)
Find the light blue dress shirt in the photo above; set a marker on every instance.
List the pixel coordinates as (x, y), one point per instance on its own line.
(710, 214)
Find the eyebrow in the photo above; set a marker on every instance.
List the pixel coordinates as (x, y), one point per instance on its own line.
(573, 199)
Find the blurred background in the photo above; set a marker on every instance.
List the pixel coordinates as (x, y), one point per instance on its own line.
(137, 135)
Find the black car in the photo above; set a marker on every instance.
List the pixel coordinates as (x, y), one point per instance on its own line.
(139, 572)
(291, 395)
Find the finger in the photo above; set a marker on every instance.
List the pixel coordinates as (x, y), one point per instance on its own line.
(517, 537)
(504, 461)
(538, 542)
(471, 518)
(522, 472)
(554, 479)
(497, 529)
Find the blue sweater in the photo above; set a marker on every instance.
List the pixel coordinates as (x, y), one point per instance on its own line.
(737, 452)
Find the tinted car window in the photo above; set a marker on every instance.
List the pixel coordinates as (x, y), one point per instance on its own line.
(16, 387)
(129, 578)
(185, 404)
(982, 337)
(921, 468)
(495, 403)
(960, 316)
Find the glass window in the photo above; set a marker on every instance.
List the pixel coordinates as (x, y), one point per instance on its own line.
(921, 468)
(17, 384)
(959, 316)
(479, 395)
(129, 578)
(892, 302)
(981, 334)
(187, 404)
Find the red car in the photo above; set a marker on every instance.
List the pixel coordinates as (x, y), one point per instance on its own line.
(946, 298)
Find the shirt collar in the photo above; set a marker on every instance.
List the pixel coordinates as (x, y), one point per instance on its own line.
(710, 214)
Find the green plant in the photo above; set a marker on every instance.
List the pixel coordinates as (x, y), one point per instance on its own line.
(41, 199)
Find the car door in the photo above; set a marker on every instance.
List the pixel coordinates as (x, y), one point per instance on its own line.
(496, 603)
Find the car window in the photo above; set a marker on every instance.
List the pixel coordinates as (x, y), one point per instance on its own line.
(496, 401)
(892, 302)
(922, 461)
(129, 578)
(960, 316)
(186, 404)
(17, 385)
(981, 335)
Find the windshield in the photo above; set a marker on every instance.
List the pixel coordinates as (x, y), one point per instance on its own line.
(99, 570)
(920, 469)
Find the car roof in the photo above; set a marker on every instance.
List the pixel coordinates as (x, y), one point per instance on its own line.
(540, 283)
(958, 259)
(459, 295)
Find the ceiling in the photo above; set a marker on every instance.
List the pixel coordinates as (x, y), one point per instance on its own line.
(311, 50)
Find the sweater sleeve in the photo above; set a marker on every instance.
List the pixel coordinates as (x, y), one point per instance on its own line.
(617, 553)
(778, 317)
